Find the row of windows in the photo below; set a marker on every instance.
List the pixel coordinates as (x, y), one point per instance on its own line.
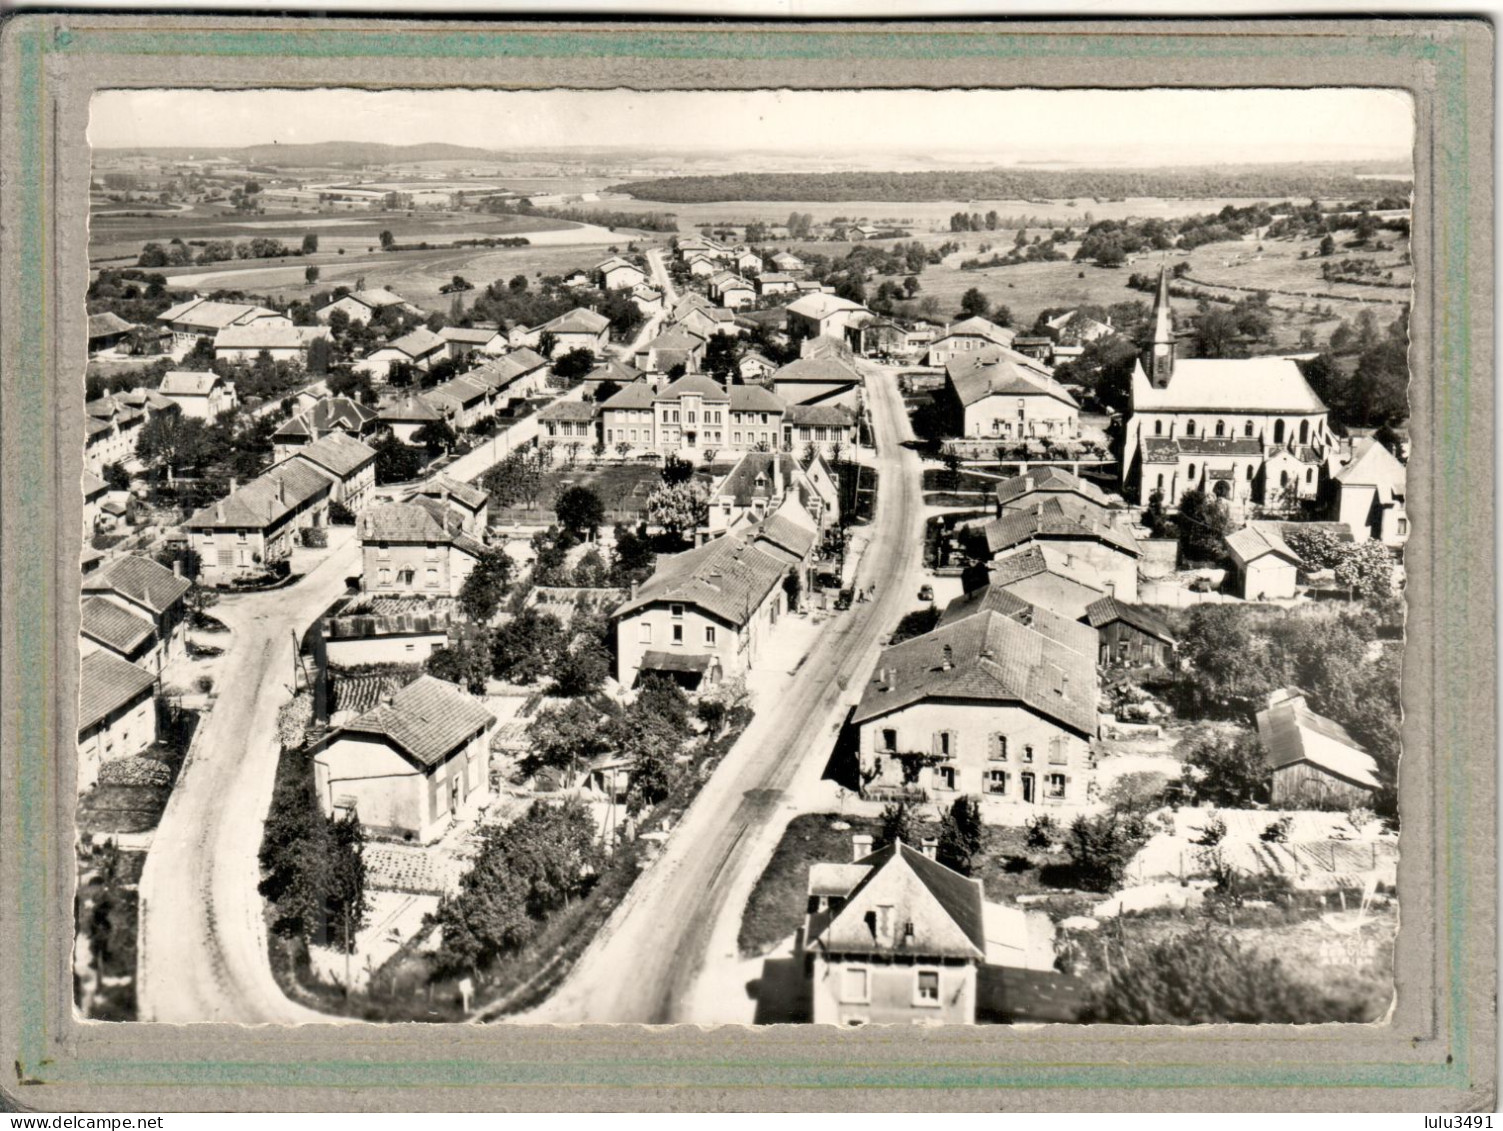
(406, 577)
(1223, 429)
(675, 634)
(855, 986)
(946, 743)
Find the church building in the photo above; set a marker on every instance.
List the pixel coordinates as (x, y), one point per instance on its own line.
(1246, 430)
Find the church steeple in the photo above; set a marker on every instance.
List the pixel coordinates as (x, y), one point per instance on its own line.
(1158, 360)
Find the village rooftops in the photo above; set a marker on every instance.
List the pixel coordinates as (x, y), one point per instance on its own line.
(576, 412)
(741, 483)
(211, 315)
(1002, 376)
(1290, 732)
(265, 334)
(728, 577)
(754, 398)
(264, 501)
(467, 495)
(577, 321)
(692, 384)
(613, 370)
(1079, 638)
(1252, 384)
(93, 486)
(1049, 480)
(820, 306)
(423, 520)
(1015, 528)
(637, 395)
(820, 416)
(824, 370)
(188, 383)
(145, 582)
(427, 720)
(113, 626)
(416, 343)
(502, 371)
(330, 414)
(107, 683)
(987, 658)
(375, 298)
(1373, 465)
(1031, 563)
(338, 453)
(1258, 539)
(978, 327)
(102, 325)
(411, 409)
(468, 335)
(1109, 609)
(930, 911)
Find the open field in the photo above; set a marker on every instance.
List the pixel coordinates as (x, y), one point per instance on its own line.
(118, 237)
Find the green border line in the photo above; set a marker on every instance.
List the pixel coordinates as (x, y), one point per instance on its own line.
(30, 559)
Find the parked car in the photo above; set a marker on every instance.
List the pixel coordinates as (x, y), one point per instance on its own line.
(926, 593)
(844, 600)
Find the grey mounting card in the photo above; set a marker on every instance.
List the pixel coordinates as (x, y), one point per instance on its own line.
(747, 565)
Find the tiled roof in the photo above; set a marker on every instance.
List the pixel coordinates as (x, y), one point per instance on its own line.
(466, 334)
(577, 321)
(213, 315)
(638, 394)
(613, 370)
(992, 658)
(108, 323)
(416, 343)
(462, 390)
(504, 370)
(1048, 479)
(187, 383)
(691, 383)
(92, 485)
(728, 577)
(428, 720)
(820, 306)
(981, 327)
(377, 297)
(935, 912)
(740, 483)
(1029, 563)
(1109, 609)
(755, 398)
(823, 370)
(975, 379)
(1257, 539)
(409, 410)
(821, 415)
(1290, 732)
(1017, 527)
(675, 662)
(1079, 638)
(263, 501)
(676, 338)
(579, 411)
(106, 684)
(409, 522)
(443, 487)
(340, 413)
(790, 528)
(113, 626)
(338, 453)
(141, 580)
(1373, 465)
(1251, 384)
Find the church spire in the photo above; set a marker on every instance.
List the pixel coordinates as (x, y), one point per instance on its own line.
(1159, 362)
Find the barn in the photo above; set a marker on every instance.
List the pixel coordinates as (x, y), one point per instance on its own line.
(1130, 636)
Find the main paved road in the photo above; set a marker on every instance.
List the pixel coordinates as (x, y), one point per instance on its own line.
(644, 964)
(202, 945)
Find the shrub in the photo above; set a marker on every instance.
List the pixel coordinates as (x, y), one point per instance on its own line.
(315, 537)
(204, 683)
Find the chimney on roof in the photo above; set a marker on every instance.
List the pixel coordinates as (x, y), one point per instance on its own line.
(387, 699)
(1064, 685)
(861, 845)
(234, 484)
(177, 567)
(949, 658)
(219, 512)
(930, 848)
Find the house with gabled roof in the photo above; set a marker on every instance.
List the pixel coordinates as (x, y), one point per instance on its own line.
(1051, 584)
(994, 395)
(966, 337)
(406, 417)
(104, 624)
(787, 262)
(1313, 762)
(827, 427)
(754, 366)
(111, 431)
(419, 347)
(465, 340)
(1265, 565)
(204, 318)
(578, 329)
(471, 503)
(351, 463)
(675, 346)
(462, 400)
(331, 414)
(616, 274)
(818, 315)
(1369, 494)
(362, 305)
(707, 613)
(759, 482)
(204, 395)
(894, 937)
(1131, 636)
(1078, 636)
(146, 590)
(254, 527)
(984, 704)
(413, 766)
(279, 341)
(706, 321)
(571, 422)
(519, 373)
(107, 330)
(418, 547)
(117, 716)
(1042, 484)
(826, 379)
(1076, 543)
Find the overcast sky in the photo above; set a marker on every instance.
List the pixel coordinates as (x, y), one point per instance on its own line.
(1141, 126)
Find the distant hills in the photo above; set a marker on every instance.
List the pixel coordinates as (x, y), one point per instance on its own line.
(322, 153)
(1254, 182)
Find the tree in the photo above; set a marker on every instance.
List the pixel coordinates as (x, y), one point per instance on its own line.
(435, 437)
(574, 364)
(1327, 245)
(960, 834)
(388, 241)
(898, 822)
(679, 509)
(396, 462)
(547, 343)
(563, 738)
(722, 352)
(527, 647)
(651, 744)
(1367, 570)
(553, 848)
(1230, 663)
(310, 274)
(581, 670)
(974, 304)
(1227, 771)
(1215, 333)
(466, 662)
(677, 470)
(604, 391)
(313, 868)
(1203, 523)
(1205, 976)
(517, 478)
(1102, 846)
(480, 595)
(115, 477)
(310, 243)
(488, 918)
(345, 903)
(580, 511)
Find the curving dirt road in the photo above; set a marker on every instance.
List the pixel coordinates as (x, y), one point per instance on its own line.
(644, 964)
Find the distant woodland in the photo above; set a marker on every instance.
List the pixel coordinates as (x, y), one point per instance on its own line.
(1083, 185)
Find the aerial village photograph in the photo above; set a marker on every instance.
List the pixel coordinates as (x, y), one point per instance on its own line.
(828, 557)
